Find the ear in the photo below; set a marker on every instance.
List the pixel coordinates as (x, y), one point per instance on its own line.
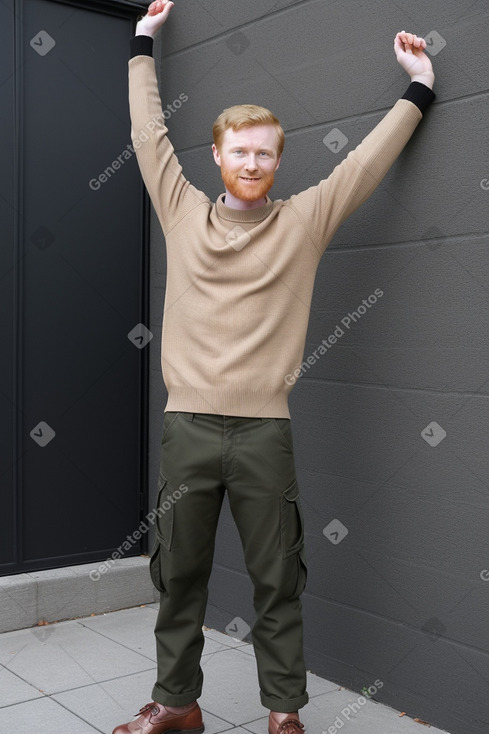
(216, 154)
(278, 162)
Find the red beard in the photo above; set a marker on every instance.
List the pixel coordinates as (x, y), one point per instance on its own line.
(246, 191)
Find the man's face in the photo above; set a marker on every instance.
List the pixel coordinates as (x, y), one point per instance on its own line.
(248, 160)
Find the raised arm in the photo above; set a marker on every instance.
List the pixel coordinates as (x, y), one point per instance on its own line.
(354, 179)
(170, 192)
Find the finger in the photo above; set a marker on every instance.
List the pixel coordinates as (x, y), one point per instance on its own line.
(398, 42)
(419, 45)
(406, 37)
(167, 9)
(168, 6)
(409, 43)
(154, 8)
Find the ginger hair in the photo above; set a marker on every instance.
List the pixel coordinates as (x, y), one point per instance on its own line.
(246, 115)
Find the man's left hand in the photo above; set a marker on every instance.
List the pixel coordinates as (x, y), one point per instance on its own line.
(409, 50)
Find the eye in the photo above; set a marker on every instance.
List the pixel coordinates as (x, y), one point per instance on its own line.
(263, 152)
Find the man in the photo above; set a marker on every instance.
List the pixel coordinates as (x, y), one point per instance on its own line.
(239, 285)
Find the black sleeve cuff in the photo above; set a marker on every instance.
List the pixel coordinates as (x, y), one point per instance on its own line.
(141, 46)
(421, 95)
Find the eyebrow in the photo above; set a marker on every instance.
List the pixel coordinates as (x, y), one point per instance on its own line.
(261, 147)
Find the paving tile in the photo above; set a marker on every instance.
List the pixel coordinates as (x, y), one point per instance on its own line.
(260, 726)
(226, 640)
(101, 670)
(248, 649)
(216, 642)
(132, 628)
(14, 689)
(317, 686)
(66, 655)
(113, 702)
(231, 687)
(212, 646)
(42, 716)
(105, 705)
(342, 711)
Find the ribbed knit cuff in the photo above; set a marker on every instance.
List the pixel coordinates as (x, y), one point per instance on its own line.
(421, 95)
(141, 46)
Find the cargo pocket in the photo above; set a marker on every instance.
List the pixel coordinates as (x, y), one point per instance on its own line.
(154, 568)
(301, 574)
(291, 521)
(164, 514)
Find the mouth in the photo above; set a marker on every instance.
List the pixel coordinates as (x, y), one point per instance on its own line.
(247, 178)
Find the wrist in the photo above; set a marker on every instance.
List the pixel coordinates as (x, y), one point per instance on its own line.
(427, 78)
(142, 30)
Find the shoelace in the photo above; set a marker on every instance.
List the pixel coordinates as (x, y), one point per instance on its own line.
(282, 727)
(149, 707)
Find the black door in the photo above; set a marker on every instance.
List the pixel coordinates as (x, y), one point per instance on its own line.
(73, 364)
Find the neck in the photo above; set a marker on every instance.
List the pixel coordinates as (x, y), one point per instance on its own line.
(234, 203)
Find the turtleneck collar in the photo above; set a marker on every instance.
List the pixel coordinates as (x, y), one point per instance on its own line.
(243, 215)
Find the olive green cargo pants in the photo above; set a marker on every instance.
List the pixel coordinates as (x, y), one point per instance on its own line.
(202, 456)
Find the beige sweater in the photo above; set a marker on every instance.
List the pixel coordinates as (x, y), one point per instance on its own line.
(239, 283)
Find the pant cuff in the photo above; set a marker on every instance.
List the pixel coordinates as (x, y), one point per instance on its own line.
(284, 706)
(174, 699)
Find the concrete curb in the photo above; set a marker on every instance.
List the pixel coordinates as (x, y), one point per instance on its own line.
(65, 593)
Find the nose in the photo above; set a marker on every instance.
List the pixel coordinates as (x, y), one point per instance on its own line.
(250, 164)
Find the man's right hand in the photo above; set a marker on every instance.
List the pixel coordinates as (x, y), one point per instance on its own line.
(157, 14)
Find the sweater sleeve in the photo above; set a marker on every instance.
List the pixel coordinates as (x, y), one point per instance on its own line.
(323, 208)
(172, 196)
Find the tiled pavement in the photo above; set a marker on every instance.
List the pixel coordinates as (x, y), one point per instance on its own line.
(90, 674)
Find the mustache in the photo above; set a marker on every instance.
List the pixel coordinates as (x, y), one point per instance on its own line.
(241, 189)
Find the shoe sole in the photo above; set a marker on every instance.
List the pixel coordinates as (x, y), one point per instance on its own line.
(186, 731)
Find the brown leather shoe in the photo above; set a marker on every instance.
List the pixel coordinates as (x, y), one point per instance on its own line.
(154, 718)
(290, 725)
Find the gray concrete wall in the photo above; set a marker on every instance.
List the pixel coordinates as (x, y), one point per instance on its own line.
(403, 597)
